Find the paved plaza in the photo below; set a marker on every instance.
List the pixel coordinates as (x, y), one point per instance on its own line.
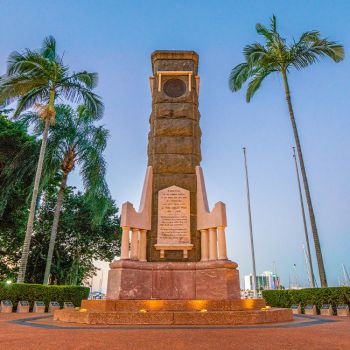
(41, 332)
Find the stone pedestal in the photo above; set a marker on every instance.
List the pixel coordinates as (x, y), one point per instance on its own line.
(209, 280)
(22, 307)
(6, 306)
(39, 307)
(326, 310)
(310, 310)
(343, 310)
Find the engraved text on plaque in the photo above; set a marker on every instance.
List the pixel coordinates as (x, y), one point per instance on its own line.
(173, 220)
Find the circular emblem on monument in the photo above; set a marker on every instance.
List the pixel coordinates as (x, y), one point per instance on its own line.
(174, 87)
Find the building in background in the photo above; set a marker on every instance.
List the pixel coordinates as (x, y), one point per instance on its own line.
(266, 280)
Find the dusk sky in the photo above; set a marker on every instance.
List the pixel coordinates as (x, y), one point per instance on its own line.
(116, 39)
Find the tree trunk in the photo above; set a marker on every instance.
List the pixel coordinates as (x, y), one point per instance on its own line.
(319, 257)
(29, 230)
(54, 227)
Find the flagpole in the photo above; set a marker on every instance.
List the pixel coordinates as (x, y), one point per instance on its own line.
(304, 221)
(250, 224)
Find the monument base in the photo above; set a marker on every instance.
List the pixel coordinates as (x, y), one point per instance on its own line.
(211, 280)
(174, 312)
(174, 293)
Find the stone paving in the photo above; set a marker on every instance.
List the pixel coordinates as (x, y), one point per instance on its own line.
(19, 331)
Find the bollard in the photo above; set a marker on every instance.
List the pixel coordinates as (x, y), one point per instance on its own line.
(310, 310)
(39, 307)
(68, 305)
(296, 309)
(54, 305)
(343, 310)
(6, 306)
(22, 307)
(326, 310)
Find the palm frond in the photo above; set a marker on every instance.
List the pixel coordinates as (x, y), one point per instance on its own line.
(273, 24)
(239, 76)
(255, 83)
(276, 55)
(48, 48)
(262, 30)
(331, 49)
(254, 52)
(75, 92)
(310, 48)
(90, 80)
(43, 70)
(14, 86)
(28, 62)
(33, 97)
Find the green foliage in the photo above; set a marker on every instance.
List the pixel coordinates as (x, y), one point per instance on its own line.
(276, 55)
(18, 156)
(79, 242)
(37, 292)
(39, 76)
(314, 296)
(76, 140)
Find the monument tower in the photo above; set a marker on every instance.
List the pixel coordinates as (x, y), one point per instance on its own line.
(174, 150)
(173, 235)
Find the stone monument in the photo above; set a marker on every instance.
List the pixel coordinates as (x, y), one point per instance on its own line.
(173, 267)
(174, 246)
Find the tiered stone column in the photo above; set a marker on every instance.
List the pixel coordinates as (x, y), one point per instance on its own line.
(136, 249)
(213, 250)
(142, 245)
(213, 244)
(139, 222)
(125, 243)
(134, 244)
(222, 243)
(204, 245)
(211, 224)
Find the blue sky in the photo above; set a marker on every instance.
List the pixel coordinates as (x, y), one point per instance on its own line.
(116, 38)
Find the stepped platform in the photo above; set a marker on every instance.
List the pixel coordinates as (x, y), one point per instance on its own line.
(174, 312)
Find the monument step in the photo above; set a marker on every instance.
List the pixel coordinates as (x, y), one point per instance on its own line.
(203, 317)
(173, 305)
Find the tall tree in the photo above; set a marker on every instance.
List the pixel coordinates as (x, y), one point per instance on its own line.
(79, 241)
(275, 55)
(18, 156)
(74, 139)
(35, 79)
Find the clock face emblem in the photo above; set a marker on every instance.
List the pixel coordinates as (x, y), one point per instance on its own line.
(174, 87)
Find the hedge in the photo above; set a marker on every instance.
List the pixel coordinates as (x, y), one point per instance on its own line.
(314, 296)
(32, 292)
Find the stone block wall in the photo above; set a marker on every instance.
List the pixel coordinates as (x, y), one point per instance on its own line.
(174, 143)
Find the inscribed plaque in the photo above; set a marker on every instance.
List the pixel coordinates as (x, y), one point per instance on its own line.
(173, 216)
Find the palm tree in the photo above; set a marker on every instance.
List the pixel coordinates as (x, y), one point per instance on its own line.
(76, 140)
(35, 79)
(275, 55)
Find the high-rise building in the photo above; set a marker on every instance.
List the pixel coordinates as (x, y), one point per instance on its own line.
(266, 280)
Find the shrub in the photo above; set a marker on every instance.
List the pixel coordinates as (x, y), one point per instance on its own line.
(315, 296)
(32, 292)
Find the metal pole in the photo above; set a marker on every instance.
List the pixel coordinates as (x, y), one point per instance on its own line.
(250, 224)
(346, 276)
(304, 221)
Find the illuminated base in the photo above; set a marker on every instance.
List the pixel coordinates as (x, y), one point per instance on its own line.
(174, 312)
(209, 280)
(174, 293)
